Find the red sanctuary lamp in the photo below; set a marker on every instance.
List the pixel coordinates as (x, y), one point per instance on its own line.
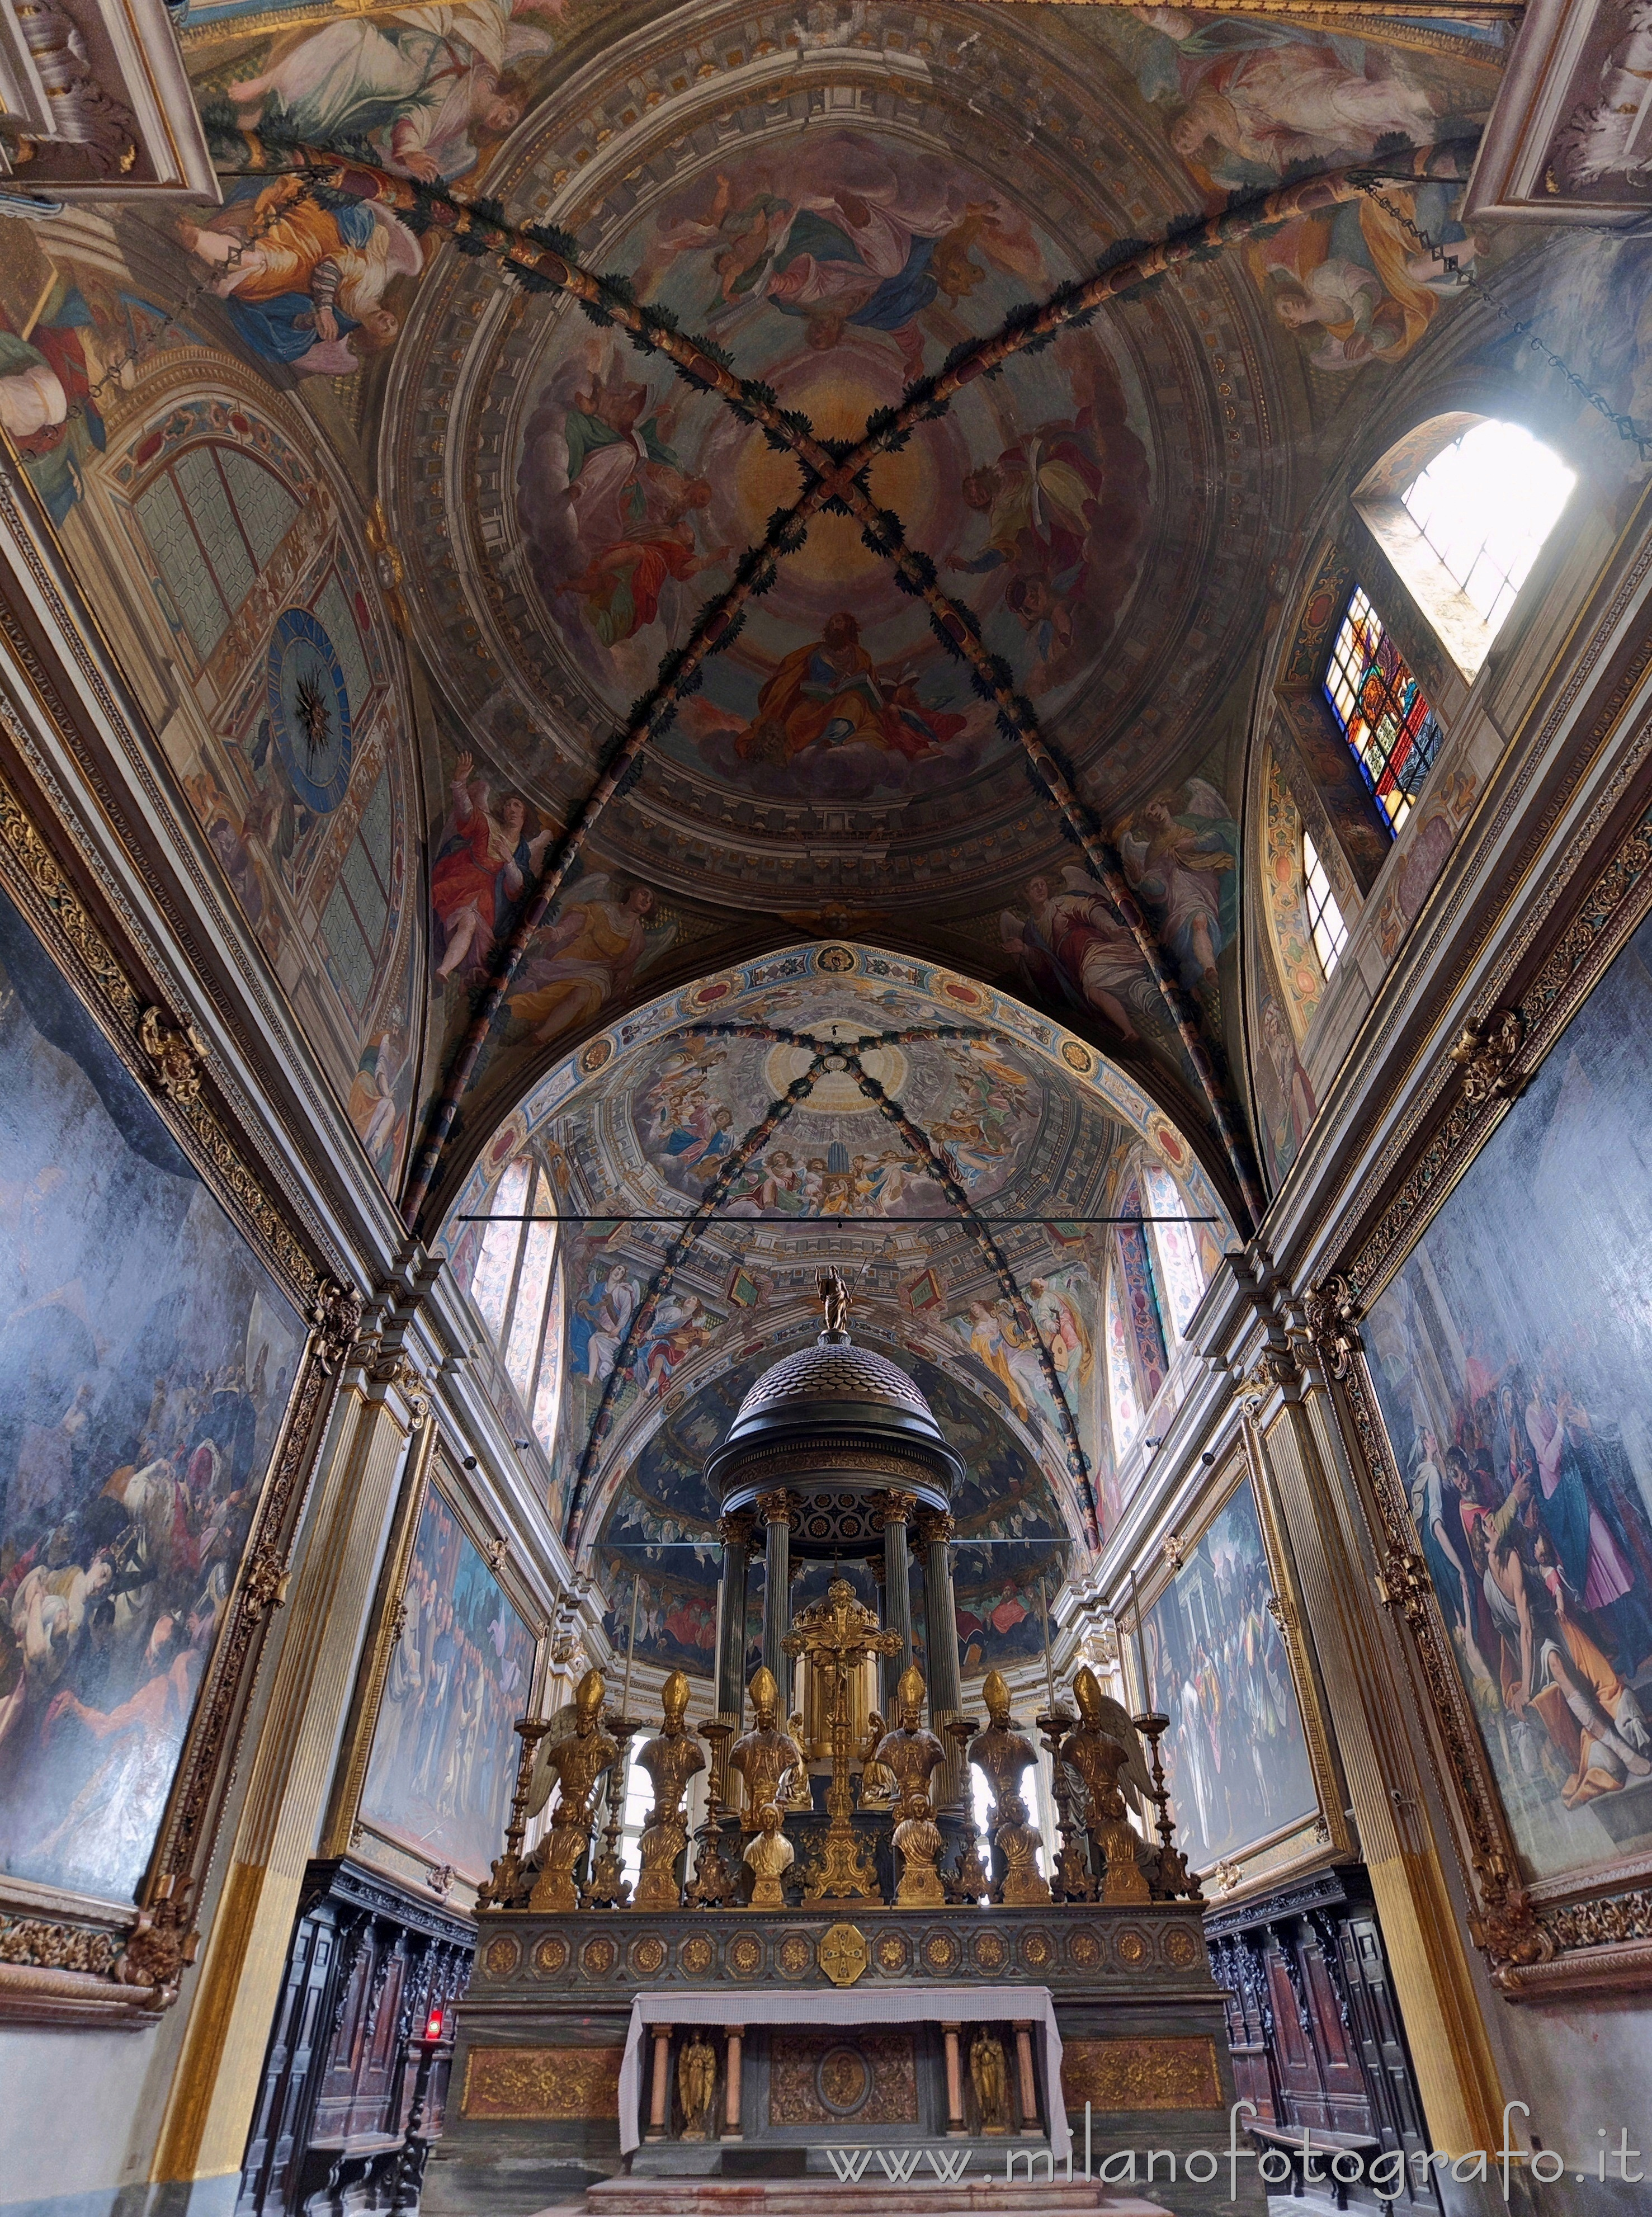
(415, 2146)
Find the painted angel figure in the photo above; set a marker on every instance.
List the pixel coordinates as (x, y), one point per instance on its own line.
(1053, 1301)
(856, 242)
(1186, 868)
(419, 90)
(1071, 947)
(632, 505)
(301, 280)
(588, 957)
(482, 866)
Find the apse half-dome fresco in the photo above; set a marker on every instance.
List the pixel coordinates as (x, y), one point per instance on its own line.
(855, 1108)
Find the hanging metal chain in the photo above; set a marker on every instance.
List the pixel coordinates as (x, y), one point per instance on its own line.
(1374, 184)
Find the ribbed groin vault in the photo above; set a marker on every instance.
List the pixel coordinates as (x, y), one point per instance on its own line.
(824, 981)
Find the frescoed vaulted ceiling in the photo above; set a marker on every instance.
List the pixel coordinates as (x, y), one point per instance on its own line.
(582, 313)
(631, 516)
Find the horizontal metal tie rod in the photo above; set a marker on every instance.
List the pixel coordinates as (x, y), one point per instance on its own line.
(883, 1223)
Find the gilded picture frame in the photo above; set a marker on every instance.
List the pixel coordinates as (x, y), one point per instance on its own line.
(72, 1958)
(351, 1827)
(1319, 1834)
(1567, 1932)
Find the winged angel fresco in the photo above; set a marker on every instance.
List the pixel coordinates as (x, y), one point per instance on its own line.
(418, 87)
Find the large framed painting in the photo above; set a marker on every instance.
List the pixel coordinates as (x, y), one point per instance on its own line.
(1492, 1330)
(157, 1368)
(456, 1670)
(1246, 1789)
(1510, 1354)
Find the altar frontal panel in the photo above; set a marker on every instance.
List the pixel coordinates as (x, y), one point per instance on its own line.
(837, 2079)
(553, 2085)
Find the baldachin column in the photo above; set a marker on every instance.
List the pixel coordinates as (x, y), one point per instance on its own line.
(775, 1509)
(940, 1633)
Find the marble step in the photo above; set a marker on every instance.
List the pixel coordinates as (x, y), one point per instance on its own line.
(827, 2197)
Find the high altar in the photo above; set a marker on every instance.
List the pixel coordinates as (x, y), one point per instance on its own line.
(836, 1961)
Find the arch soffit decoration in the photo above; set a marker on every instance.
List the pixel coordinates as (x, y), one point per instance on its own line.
(590, 1092)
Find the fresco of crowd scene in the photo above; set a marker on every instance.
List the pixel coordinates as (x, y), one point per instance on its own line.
(1509, 1359)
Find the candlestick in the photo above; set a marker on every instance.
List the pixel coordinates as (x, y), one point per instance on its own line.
(631, 1645)
(1048, 1665)
(1143, 1692)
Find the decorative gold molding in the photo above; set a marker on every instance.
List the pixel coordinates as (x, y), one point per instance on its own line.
(1502, 1922)
(178, 1053)
(1606, 911)
(1485, 1053)
(1332, 1838)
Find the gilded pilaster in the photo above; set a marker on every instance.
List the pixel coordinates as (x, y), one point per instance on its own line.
(379, 1421)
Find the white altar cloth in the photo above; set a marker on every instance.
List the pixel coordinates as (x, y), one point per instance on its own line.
(896, 2005)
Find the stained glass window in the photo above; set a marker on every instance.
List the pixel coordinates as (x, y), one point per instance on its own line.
(1485, 504)
(1141, 1295)
(527, 1317)
(1325, 922)
(1176, 1250)
(548, 1400)
(1381, 707)
(213, 518)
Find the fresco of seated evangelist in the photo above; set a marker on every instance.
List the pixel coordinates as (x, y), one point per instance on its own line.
(444, 1750)
(1510, 1357)
(1234, 1754)
(145, 1361)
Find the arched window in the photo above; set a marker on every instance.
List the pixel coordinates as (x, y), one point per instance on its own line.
(1122, 1400)
(1484, 506)
(357, 913)
(1325, 921)
(517, 1289)
(1175, 1249)
(1380, 706)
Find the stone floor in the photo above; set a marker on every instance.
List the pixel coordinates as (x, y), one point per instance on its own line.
(826, 2197)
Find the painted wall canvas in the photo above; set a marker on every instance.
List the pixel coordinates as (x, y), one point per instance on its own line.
(1510, 1359)
(147, 1356)
(1236, 1754)
(444, 1751)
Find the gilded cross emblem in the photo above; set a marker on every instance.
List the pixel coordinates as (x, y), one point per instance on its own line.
(843, 1953)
